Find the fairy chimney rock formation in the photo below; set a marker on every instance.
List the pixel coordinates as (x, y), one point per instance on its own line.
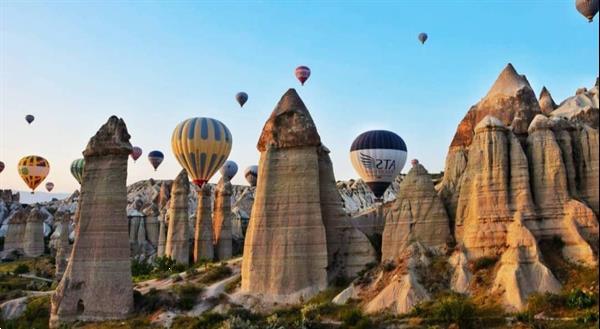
(510, 97)
(222, 220)
(177, 245)
(33, 239)
(547, 104)
(285, 251)
(97, 282)
(152, 227)
(16, 230)
(418, 214)
(62, 247)
(203, 233)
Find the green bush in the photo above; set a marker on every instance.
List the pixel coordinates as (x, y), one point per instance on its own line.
(21, 269)
(454, 308)
(589, 317)
(36, 315)
(187, 295)
(167, 264)
(580, 299)
(484, 262)
(139, 268)
(351, 317)
(215, 273)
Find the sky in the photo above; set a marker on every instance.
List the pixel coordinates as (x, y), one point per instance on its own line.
(72, 64)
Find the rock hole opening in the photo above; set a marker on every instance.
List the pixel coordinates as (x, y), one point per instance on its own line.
(80, 307)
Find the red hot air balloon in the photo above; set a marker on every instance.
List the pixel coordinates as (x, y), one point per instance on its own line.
(136, 153)
(49, 186)
(302, 74)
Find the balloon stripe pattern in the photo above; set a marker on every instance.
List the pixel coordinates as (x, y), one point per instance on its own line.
(77, 169)
(33, 170)
(201, 145)
(156, 158)
(378, 156)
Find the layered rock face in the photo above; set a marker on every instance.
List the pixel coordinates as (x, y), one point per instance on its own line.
(33, 238)
(62, 247)
(348, 249)
(16, 230)
(285, 251)
(418, 214)
(511, 96)
(222, 221)
(177, 244)
(547, 104)
(97, 282)
(203, 237)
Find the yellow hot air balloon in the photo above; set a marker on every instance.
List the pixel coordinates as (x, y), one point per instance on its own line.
(201, 145)
(33, 169)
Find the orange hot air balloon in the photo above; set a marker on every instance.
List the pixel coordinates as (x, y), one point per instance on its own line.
(33, 169)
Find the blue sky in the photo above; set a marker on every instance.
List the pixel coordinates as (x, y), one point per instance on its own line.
(73, 64)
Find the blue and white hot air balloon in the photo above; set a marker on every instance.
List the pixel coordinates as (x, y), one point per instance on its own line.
(378, 156)
(229, 169)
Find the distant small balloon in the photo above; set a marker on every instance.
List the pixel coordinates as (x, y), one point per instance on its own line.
(156, 158)
(229, 169)
(241, 98)
(414, 162)
(302, 74)
(251, 174)
(136, 153)
(587, 8)
(423, 37)
(29, 118)
(1, 166)
(49, 186)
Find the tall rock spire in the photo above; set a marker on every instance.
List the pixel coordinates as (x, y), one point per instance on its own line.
(547, 104)
(222, 220)
(203, 234)
(97, 282)
(177, 245)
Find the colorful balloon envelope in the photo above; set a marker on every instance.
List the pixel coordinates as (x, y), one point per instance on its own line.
(587, 8)
(378, 156)
(241, 98)
(29, 118)
(77, 169)
(423, 37)
(251, 174)
(302, 74)
(1, 166)
(49, 186)
(229, 169)
(136, 153)
(33, 169)
(156, 158)
(201, 145)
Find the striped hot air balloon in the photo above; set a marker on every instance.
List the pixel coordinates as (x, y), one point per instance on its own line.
(136, 153)
(201, 145)
(229, 169)
(378, 156)
(302, 73)
(251, 174)
(77, 169)
(156, 158)
(33, 169)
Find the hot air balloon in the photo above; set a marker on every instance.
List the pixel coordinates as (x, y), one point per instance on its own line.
(49, 186)
(229, 169)
(378, 156)
(302, 74)
(33, 169)
(423, 37)
(136, 152)
(251, 174)
(156, 158)
(241, 98)
(29, 118)
(587, 8)
(77, 169)
(201, 145)
(1, 166)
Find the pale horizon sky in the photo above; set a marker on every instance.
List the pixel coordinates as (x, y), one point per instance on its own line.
(72, 64)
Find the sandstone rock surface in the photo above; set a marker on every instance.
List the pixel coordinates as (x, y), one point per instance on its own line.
(177, 246)
(203, 236)
(222, 221)
(97, 282)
